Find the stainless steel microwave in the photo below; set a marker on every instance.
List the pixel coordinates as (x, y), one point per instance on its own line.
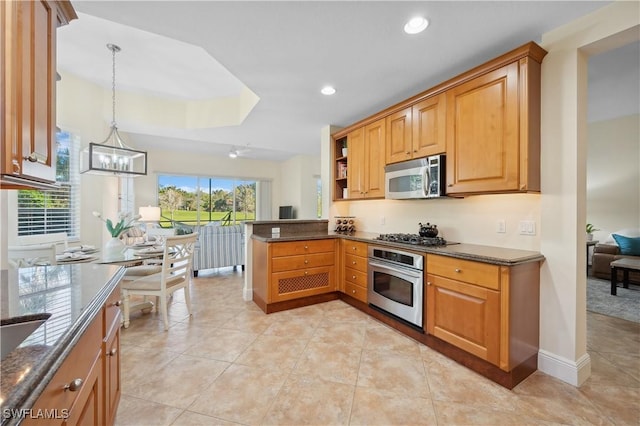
(420, 178)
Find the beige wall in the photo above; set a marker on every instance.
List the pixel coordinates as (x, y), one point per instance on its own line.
(298, 185)
(613, 175)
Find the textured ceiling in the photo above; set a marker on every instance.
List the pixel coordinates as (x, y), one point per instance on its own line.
(285, 52)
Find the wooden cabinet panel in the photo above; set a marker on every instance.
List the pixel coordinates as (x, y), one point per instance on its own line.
(355, 174)
(399, 145)
(355, 247)
(374, 142)
(482, 133)
(355, 277)
(28, 41)
(88, 406)
(356, 291)
(293, 248)
(112, 373)
(358, 263)
(464, 315)
(301, 283)
(429, 126)
(289, 263)
(482, 274)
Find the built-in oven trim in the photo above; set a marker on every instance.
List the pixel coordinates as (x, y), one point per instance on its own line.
(413, 315)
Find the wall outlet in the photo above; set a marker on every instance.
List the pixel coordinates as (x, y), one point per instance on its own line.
(275, 230)
(383, 220)
(527, 227)
(501, 226)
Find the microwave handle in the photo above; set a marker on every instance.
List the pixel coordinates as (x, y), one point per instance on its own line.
(426, 181)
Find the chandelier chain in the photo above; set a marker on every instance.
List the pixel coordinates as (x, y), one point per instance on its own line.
(113, 49)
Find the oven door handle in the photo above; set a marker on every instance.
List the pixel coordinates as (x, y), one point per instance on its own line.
(413, 273)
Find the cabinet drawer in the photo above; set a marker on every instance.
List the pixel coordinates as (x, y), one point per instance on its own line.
(293, 248)
(301, 283)
(290, 263)
(356, 291)
(477, 273)
(78, 365)
(112, 310)
(355, 277)
(355, 262)
(355, 247)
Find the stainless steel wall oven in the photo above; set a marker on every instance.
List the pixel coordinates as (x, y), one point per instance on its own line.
(396, 283)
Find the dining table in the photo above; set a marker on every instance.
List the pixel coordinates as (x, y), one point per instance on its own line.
(131, 256)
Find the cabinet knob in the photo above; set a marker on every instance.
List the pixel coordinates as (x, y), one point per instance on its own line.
(112, 352)
(523, 187)
(306, 273)
(408, 152)
(353, 248)
(118, 303)
(415, 150)
(428, 282)
(32, 158)
(353, 277)
(458, 270)
(74, 385)
(450, 185)
(306, 261)
(16, 166)
(306, 247)
(353, 291)
(354, 262)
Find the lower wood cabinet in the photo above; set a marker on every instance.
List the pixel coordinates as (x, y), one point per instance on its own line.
(86, 388)
(354, 274)
(284, 271)
(490, 311)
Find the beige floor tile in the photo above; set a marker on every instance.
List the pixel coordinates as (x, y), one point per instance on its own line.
(139, 412)
(178, 338)
(250, 321)
(138, 364)
(628, 362)
(401, 375)
(347, 314)
(305, 400)
(459, 413)
(189, 418)
(332, 362)
(351, 334)
(179, 383)
(375, 407)
(379, 337)
(272, 351)
(221, 344)
(620, 404)
(241, 394)
(297, 327)
(605, 372)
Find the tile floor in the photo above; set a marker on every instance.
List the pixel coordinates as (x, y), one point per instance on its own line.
(330, 364)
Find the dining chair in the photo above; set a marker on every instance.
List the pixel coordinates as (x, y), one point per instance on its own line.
(31, 255)
(175, 274)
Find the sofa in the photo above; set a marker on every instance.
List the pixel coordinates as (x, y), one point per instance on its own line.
(607, 252)
(218, 246)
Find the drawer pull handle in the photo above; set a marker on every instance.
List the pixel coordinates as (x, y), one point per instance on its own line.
(118, 303)
(306, 261)
(32, 158)
(458, 270)
(354, 262)
(112, 352)
(354, 248)
(428, 282)
(74, 385)
(353, 277)
(306, 273)
(353, 291)
(306, 247)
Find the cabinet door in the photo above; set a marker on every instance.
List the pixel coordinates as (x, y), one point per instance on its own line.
(398, 146)
(374, 142)
(301, 283)
(482, 133)
(464, 315)
(112, 383)
(355, 175)
(29, 135)
(87, 408)
(429, 132)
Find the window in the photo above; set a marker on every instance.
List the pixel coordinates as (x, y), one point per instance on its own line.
(195, 200)
(48, 212)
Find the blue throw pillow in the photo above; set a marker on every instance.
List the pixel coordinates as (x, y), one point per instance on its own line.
(629, 246)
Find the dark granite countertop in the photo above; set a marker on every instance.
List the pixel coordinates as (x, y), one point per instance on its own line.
(73, 295)
(488, 254)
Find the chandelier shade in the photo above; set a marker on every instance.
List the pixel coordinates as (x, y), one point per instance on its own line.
(112, 157)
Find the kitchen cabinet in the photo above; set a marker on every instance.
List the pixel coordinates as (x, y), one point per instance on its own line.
(28, 90)
(354, 274)
(487, 310)
(493, 131)
(86, 388)
(293, 270)
(366, 146)
(417, 131)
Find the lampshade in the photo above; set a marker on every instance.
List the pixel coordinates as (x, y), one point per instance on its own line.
(149, 214)
(112, 157)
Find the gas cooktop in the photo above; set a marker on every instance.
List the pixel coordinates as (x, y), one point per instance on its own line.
(413, 239)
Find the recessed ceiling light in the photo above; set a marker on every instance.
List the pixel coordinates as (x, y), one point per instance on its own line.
(416, 25)
(328, 90)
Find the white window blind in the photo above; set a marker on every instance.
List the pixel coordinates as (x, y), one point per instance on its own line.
(54, 211)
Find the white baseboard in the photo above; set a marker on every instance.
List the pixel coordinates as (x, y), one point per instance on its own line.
(573, 372)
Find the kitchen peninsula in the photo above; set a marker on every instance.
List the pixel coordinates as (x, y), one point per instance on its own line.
(68, 370)
(481, 303)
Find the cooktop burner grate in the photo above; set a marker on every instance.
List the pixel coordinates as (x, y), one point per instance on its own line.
(414, 239)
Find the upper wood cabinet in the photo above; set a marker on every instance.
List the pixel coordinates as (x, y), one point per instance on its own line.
(417, 131)
(366, 147)
(28, 90)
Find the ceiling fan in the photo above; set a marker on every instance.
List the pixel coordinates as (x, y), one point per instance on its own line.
(238, 152)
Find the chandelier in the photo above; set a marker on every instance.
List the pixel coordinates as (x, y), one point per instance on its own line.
(112, 156)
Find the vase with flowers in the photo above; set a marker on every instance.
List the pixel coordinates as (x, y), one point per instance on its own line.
(114, 247)
(590, 230)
